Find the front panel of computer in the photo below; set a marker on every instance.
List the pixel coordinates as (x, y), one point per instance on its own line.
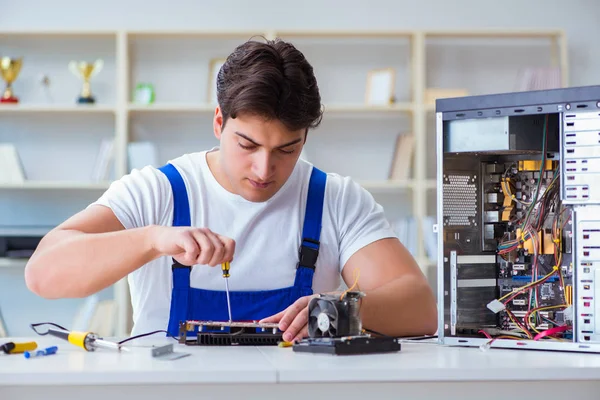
(519, 225)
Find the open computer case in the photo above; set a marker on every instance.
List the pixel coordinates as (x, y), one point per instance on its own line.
(518, 220)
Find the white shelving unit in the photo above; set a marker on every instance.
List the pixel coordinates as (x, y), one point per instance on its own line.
(177, 64)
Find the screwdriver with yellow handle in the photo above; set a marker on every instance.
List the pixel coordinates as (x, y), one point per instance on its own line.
(225, 269)
(14, 348)
(88, 341)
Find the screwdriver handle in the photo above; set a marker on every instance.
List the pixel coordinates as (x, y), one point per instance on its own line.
(13, 348)
(225, 269)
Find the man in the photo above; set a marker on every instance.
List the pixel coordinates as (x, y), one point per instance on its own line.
(251, 201)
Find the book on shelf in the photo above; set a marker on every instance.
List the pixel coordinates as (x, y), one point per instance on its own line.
(402, 157)
(538, 78)
(11, 168)
(102, 167)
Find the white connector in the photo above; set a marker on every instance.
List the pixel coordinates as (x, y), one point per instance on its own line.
(568, 313)
(495, 306)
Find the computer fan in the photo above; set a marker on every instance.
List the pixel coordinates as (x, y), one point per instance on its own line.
(335, 327)
(334, 315)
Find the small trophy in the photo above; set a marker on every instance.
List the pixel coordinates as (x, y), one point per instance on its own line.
(85, 71)
(10, 68)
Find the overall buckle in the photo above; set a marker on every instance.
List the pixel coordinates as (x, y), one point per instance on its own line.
(308, 255)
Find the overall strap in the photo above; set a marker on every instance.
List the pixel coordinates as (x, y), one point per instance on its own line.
(311, 232)
(181, 217)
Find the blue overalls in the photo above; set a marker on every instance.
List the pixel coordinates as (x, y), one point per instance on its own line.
(189, 303)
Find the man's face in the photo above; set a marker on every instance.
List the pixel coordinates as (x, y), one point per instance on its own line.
(257, 156)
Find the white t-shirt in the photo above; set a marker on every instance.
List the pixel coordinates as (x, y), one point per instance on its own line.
(267, 234)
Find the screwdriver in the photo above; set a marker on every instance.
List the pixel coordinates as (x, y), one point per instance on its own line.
(225, 269)
(12, 347)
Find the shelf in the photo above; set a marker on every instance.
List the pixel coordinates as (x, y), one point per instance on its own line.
(55, 108)
(426, 262)
(59, 33)
(37, 185)
(346, 34)
(395, 186)
(212, 34)
(172, 107)
(363, 108)
(386, 186)
(431, 184)
(494, 33)
(517, 33)
(429, 107)
(13, 262)
(328, 108)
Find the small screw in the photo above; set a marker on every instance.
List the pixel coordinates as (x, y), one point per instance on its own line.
(568, 106)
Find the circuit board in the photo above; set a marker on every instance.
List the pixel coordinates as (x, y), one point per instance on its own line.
(512, 243)
(531, 248)
(223, 333)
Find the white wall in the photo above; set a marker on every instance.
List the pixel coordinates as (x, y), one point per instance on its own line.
(579, 18)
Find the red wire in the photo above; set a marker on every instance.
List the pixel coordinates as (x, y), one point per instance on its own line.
(487, 335)
(552, 331)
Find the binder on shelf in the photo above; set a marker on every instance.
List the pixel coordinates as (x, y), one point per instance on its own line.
(402, 158)
(11, 168)
(105, 156)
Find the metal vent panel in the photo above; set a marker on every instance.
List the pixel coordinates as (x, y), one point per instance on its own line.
(460, 200)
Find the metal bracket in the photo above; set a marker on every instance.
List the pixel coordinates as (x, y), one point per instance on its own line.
(166, 353)
(453, 289)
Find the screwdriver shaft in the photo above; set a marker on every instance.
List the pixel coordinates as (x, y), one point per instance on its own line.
(225, 267)
(228, 301)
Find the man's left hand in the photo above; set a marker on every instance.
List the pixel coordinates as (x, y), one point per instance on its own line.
(293, 321)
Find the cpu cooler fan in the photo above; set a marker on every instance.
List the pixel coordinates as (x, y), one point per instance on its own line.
(334, 327)
(334, 315)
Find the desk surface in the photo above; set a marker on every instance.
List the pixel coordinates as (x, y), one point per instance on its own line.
(261, 364)
(415, 364)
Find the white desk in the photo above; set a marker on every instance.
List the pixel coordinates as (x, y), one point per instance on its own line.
(418, 371)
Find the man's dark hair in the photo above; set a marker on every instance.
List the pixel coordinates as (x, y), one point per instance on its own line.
(270, 79)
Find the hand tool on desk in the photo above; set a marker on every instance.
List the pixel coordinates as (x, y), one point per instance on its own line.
(225, 268)
(13, 348)
(38, 353)
(88, 341)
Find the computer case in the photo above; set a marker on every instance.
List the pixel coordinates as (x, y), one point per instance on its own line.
(518, 220)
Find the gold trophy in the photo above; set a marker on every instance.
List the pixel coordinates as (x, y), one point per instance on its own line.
(86, 71)
(10, 68)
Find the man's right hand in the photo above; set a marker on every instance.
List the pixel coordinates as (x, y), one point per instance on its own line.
(190, 246)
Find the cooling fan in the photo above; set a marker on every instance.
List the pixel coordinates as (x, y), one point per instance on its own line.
(334, 327)
(331, 316)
